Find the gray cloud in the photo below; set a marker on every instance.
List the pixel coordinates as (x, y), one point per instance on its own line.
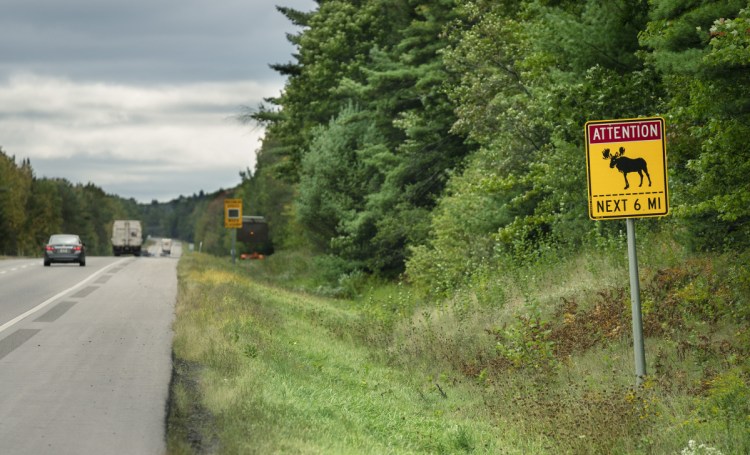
(143, 41)
(138, 97)
(113, 134)
(143, 179)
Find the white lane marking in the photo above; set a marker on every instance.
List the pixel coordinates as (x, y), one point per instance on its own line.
(17, 268)
(57, 296)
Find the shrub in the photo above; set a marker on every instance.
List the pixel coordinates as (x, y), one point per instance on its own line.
(527, 344)
(727, 405)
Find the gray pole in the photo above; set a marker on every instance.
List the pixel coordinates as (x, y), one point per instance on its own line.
(234, 245)
(635, 301)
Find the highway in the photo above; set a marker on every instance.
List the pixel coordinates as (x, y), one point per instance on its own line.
(85, 355)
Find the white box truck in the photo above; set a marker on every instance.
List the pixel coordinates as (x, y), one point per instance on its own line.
(166, 246)
(127, 237)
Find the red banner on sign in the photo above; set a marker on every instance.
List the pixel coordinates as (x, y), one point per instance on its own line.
(625, 132)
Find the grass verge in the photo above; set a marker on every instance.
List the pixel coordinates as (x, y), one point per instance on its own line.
(276, 371)
(545, 369)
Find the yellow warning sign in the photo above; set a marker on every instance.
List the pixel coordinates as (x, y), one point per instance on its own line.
(626, 165)
(233, 213)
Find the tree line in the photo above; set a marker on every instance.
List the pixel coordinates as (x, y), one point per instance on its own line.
(429, 137)
(32, 208)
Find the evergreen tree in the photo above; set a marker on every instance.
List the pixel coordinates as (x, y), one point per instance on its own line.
(15, 190)
(45, 213)
(702, 50)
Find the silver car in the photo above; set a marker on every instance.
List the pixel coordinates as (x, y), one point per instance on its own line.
(64, 248)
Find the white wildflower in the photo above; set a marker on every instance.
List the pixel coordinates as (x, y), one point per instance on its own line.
(694, 448)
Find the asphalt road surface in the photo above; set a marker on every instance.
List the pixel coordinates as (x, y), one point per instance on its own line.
(85, 356)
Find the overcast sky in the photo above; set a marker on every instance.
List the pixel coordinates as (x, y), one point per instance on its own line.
(139, 97)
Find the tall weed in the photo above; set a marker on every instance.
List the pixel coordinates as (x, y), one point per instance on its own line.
(726, 408)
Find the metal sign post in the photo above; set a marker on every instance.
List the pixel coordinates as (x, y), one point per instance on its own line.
(234, 246)
(616, 150)
(635, 302)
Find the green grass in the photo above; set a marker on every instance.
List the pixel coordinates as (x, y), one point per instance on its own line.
(279, 373)
(265, 364)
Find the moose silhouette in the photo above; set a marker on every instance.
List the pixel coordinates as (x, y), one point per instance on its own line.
(627, 165)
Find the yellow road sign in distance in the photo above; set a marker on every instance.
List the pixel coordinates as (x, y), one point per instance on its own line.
(233, 213)
(626, 165)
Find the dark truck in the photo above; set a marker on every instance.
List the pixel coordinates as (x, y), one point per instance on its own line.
(254, 236)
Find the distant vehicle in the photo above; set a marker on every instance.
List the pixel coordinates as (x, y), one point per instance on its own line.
(254, 236)
(64, 248)
(127, 237)
(166, 246)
